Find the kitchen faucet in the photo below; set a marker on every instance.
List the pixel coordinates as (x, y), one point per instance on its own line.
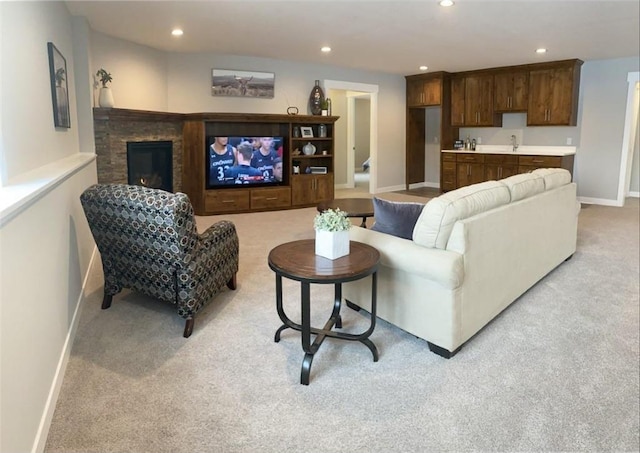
(514, 143)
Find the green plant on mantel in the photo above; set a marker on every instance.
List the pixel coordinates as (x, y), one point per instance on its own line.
(332, 220)
(104, 77)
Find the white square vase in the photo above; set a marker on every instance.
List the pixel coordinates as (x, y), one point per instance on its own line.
(332, 245)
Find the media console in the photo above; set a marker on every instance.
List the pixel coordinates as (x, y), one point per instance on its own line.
(302, 185)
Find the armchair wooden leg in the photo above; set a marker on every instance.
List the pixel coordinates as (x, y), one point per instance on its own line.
(106, 301)
(232, 283)
(188, 328)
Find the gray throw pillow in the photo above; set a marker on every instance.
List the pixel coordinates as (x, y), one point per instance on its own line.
(395, 217)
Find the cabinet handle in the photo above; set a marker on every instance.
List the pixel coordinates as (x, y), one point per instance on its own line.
(271, 198)
(499, 172)
(468, 170)
(228, 201)
(537, 161)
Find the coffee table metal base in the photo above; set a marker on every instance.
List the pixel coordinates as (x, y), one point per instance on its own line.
(335, 320)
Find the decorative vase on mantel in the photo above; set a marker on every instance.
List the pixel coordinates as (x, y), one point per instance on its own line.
(316, 99)
(105, 100)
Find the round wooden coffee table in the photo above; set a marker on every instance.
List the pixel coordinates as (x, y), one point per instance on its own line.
(354, 207)
(298, 261)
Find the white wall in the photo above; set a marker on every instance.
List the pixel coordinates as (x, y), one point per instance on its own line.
(30, 139)
(46, 247)
(634, 186)
(603, 91)
(139, 73)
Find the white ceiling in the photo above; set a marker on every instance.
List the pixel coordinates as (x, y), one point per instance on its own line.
(387, 36)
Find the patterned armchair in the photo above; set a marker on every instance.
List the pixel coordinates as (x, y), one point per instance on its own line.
(148, 242)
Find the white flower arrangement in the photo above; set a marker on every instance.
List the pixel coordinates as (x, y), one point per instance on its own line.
(332, 220)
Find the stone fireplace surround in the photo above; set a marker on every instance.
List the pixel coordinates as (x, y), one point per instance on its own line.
(113, 128)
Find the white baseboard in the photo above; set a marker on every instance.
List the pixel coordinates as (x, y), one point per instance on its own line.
(50, 407)
(600, 201)
(390, 189)
(418, 185)
(634, 194)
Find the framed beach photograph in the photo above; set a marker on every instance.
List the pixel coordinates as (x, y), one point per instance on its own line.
(59, 87)
(248, 84)
(307, 132)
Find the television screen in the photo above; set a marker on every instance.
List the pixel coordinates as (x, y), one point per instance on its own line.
(239, 161)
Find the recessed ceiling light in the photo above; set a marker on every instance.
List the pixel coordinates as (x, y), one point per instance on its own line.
(177, 32)
(424, 68)
(446, 3)
(541, 50)
(325, 49)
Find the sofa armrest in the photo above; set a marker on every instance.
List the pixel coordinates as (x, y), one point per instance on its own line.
(441, 266)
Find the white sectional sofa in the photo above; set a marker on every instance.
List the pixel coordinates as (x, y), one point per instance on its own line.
(474, 251)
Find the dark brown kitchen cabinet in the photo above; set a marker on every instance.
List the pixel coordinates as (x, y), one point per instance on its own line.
(500, 166)
(511, 91)
(472, 101)
(424, 92)
(478, 101)
(553, 95)
(448, 172)
(457, 101)
(469, 169)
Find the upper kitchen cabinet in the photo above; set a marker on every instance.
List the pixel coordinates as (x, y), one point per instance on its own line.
(553, 94)
(478, 101)
(511, 90)
(424, 90)
(457, 101)
(472, 101)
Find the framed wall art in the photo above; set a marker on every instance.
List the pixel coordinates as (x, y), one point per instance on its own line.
(59, 87)
(250, 84)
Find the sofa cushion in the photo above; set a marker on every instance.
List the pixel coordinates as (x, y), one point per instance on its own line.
(395, 217)
(553, 177)
(524, 185)
(439, 215)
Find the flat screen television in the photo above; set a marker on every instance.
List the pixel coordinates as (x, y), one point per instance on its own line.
(239, 161)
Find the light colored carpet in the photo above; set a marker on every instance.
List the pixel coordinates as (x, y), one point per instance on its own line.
(557, 371)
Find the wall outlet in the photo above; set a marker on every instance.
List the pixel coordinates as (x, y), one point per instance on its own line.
(569, 140)
(479, 141)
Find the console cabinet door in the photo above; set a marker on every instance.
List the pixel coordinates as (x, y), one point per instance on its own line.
(311, 189)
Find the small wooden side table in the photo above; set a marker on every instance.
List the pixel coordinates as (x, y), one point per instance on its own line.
(354, 207)
(297, 261)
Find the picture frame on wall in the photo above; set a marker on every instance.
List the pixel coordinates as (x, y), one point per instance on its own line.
(248, 84)
(59, 87)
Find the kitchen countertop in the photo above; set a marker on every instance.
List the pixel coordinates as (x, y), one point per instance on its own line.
(523, 150)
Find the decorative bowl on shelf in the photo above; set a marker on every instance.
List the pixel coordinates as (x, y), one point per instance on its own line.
(309, 149)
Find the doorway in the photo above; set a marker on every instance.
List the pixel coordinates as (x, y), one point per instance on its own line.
(343, 100)
(629, 139)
